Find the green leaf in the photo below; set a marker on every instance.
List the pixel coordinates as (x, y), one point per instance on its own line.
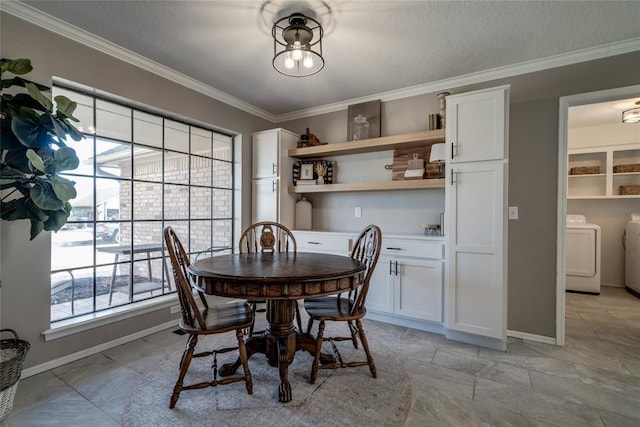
(66, 159)
(17, 66)
(44, 197)
(65, 106)
(36, 228)
(38, 96)
(57, 218)
(19, 81)
(36, 160)
(14, 210)
(26, 129)
(63, 188)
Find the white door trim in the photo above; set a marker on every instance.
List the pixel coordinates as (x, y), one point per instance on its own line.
(563, 113)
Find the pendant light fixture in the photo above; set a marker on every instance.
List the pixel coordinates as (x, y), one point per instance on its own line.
(632, 115)
(297, 45)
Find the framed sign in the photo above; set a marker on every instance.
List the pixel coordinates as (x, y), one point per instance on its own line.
(306, 171)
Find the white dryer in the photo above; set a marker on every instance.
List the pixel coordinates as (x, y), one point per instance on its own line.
(632, 254)
(582, 256)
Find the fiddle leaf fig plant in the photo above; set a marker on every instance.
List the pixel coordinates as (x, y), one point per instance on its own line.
(33, 151)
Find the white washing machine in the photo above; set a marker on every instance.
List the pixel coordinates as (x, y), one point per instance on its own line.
(583, 253)
(632, 255)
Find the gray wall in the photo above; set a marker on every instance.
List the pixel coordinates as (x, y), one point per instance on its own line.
(25, 265)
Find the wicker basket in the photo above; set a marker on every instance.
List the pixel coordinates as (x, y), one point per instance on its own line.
(12, 354)
(626, 168)
(584, 170)
(629, 190)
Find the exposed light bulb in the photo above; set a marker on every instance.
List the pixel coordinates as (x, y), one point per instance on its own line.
(308, 61)
(289, 63)
(297, 51)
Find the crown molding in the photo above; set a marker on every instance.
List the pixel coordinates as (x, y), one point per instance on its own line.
(48, 22)
(582, 55)
(62, 28)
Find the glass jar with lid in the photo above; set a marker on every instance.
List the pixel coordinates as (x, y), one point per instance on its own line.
(360, 128)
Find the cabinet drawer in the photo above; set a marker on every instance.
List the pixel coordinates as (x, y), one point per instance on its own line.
(412, 248)
(311, 242)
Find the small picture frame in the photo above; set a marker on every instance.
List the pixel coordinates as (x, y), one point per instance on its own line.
(306, 171)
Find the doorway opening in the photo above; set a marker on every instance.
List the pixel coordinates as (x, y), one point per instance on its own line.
(600, 186)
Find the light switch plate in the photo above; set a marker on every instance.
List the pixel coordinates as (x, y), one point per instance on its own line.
(357, 212)
(513, 212)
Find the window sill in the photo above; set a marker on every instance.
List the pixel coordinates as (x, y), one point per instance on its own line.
(94, 320)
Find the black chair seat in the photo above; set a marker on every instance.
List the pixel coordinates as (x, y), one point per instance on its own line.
(328, 308)
(222, 318)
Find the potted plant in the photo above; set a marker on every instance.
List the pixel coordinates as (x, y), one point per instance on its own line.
(32, 154)
(33, 151)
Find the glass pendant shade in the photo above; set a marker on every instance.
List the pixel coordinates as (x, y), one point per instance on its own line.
(297, 45)
(632, 115)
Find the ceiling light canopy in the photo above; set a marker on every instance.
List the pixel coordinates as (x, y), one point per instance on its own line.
(297, 45)
(632, 115)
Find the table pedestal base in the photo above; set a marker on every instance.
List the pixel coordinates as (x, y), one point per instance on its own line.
(279, 343)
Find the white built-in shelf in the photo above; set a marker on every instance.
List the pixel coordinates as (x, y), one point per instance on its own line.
(418, 184)
(407, 140)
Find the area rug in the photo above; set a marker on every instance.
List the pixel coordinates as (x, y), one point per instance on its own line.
(340, 397)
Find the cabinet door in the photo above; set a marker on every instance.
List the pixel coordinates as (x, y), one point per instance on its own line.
(476, 250)
(264, 206)
(265, 153)
(418, 288)
(380, 296)
(476, 125)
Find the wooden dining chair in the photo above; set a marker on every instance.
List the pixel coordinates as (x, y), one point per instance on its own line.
(349, 308)
(205, 320)
(267, 236)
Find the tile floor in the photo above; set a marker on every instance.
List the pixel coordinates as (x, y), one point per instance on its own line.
(593, 381)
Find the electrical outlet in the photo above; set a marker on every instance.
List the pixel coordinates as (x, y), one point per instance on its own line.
(513, 212)
(357, 212)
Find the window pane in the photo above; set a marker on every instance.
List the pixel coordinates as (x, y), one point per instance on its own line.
(176, 136)
(222, 203)
(201, 236)
(147, 200)
(222, 147)
(221, 174)
(201, 170)
(126, 189)
(200, 202)
(176, 201)
(222, 233)
(113, 158)
(200, 142)
(113, 120)
(176, 168)
(147, 164)
(82, 206)
(147, 129)
(108, 199)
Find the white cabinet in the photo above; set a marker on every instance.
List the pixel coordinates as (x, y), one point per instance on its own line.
(597, 173)
(476, 226)
(407, 280)
(476, 128)
(272, 172)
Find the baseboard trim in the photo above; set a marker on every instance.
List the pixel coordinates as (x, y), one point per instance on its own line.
(488, 342)
(51, 364)
(420, 325)
(532, 337)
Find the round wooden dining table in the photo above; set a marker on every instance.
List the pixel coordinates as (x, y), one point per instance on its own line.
(280, 279)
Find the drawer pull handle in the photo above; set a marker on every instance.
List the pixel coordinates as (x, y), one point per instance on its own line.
(314, 243)
(396, 268)
(394, 249)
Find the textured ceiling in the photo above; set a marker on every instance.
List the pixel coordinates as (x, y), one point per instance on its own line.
(370, 47)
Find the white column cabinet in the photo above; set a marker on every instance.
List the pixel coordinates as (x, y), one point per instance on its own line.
(272, 173)
(476, 202)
